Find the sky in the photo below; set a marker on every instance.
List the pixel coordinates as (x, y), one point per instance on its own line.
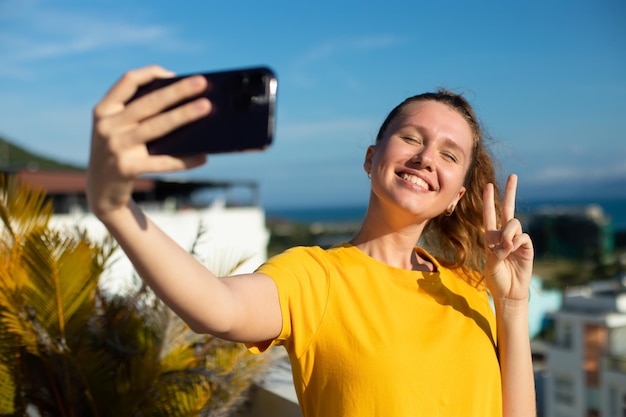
(547, 79)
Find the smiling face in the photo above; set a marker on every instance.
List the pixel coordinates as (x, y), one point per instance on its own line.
(420, 162)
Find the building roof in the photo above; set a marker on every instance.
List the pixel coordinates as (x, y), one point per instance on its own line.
(600, 299)
(61, 182)
(67, 182)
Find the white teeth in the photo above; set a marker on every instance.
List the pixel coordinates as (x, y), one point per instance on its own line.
(415, 180)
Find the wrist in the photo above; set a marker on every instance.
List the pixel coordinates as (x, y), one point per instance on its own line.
(511, 303)
(511, 310)
(115, 217)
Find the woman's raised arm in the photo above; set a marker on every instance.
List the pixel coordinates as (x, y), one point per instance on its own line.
(242, 308)
(508, 273)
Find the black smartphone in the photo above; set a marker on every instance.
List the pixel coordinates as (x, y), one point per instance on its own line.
(242, 117)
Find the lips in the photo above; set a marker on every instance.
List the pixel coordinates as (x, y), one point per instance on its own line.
(415, 180)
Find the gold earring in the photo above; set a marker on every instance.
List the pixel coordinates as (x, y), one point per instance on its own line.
(449, 211)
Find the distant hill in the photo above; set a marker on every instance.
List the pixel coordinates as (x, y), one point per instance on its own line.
(13, 157)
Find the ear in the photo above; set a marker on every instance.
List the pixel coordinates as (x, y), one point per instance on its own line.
(369, 155)
(457, 199)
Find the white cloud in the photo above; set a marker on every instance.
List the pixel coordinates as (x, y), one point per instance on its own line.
(32, 33)
(83, 41)
(335, 47)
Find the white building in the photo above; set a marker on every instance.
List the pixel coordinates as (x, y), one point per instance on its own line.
(220, 237)
(586, 361)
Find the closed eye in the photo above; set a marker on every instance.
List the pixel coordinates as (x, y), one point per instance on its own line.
(450, 157)
(411, 139)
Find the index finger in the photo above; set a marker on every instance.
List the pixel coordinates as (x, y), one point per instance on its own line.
(115, 99)
(508, 203)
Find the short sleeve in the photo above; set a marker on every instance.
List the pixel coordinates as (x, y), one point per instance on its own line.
(301, 277)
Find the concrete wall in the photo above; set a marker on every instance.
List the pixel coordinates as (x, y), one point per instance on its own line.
(230, 235)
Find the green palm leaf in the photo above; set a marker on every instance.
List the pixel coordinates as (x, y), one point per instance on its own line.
(23, 208)
(60, 280)
(8, 386)
(14, 311)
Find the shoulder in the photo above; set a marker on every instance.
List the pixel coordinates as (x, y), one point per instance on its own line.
(298, 255)
(312, 263)
(463, 277)
(298, 264)
(312, 254)
(469, 277)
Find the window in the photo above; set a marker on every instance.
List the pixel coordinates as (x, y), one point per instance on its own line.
(563, 390)
(566, 339)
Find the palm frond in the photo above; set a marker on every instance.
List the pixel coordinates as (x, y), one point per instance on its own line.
(8, 387)
(177, 395)
(15, 312)
(23, 207)
(60, 279)
(68, 349)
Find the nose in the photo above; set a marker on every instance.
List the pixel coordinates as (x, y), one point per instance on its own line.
(423, 158)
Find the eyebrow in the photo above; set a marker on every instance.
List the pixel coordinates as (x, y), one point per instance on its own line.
(453, 144)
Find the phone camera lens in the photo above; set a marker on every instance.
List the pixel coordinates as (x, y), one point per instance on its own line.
(249, 91)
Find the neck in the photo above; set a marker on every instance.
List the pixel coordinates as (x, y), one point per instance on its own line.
(392, 240)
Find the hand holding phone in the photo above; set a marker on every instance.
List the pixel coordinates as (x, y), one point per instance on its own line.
(242, 117)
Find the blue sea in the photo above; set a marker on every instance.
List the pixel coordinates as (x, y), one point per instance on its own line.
(614, 208)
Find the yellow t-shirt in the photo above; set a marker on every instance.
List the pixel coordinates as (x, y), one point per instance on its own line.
(367, 339)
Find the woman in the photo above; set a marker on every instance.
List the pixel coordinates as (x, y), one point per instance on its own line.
(375, 326)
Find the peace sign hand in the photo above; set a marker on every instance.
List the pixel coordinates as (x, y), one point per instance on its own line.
(508, 269)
